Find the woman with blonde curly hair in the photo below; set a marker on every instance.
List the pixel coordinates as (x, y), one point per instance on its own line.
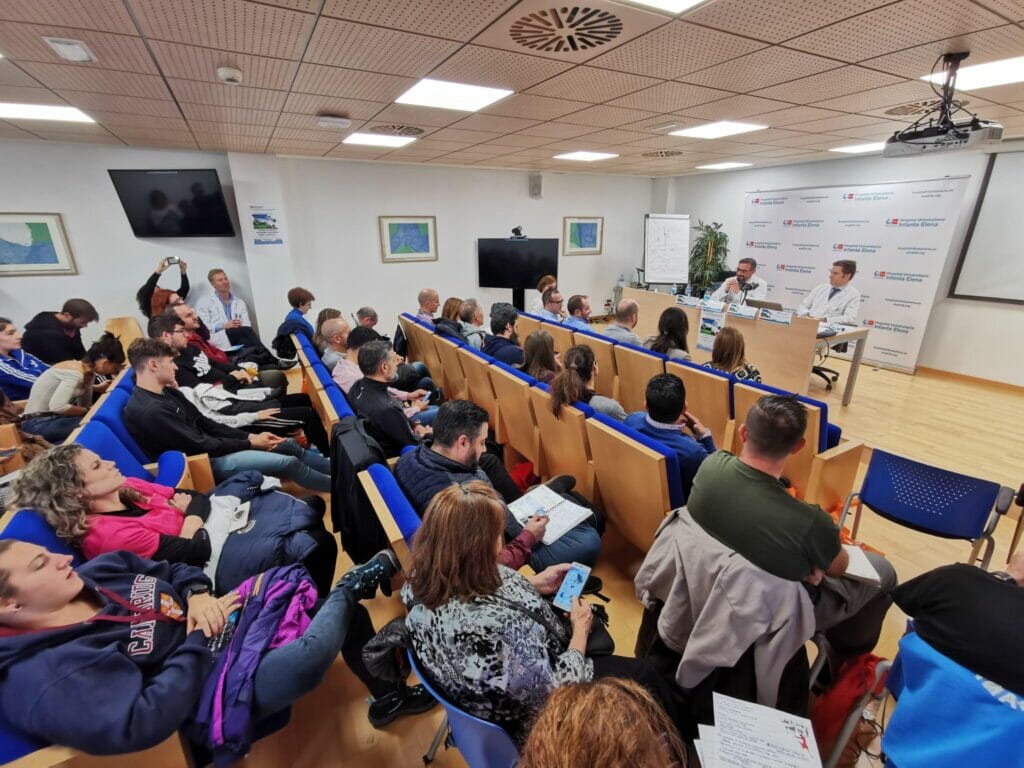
(610, 721)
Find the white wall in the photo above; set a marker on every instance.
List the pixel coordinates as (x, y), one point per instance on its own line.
(332, 209)
(963, 336)
(72, 180)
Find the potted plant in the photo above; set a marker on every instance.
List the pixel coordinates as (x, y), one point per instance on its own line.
(707, 257)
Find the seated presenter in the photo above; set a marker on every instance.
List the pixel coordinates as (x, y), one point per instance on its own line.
(745, 285)
(836, 301)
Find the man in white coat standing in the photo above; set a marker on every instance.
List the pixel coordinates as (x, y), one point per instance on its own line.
(836, 301)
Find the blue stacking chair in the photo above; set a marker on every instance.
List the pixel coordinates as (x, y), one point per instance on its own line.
(931, 500)
(402, 512)
(109, 413)
(481, 744)
(97, 437)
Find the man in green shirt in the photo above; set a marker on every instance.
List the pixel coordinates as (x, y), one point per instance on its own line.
(740, 501)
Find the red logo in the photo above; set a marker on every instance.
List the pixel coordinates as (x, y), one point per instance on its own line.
(757, 200)
(788, 223)
(869, 322)
(848, 196)
(781, 267)
(838, 246)
(750, 243)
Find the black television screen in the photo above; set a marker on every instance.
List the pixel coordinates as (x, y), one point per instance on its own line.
(168, 203)
(515, 264)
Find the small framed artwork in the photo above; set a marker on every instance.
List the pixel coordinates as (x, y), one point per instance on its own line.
(582, 235)
(34, 244)
(408, 238)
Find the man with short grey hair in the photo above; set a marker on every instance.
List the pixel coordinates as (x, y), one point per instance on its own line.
(626, 315)
(366, 317)
(429, 300)
(471, 315)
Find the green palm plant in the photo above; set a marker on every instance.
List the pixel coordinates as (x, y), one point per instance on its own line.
(707, 256)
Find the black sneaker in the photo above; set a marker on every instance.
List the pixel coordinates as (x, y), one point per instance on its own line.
(363, 580)
(405, 701)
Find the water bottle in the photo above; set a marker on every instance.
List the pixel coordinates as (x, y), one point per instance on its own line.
(707, 294)
(675, 289)
(622, 282)
(689, 289)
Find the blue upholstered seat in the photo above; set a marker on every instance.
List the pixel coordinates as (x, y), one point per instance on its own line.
(402, 511)
(675, 480)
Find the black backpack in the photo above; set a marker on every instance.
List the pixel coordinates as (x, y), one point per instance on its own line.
(352, 451)
(284, 347)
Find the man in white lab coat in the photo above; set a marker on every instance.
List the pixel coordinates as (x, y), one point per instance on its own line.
(836, 301)
(744, 286)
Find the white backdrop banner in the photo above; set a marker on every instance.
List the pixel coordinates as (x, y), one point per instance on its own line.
(899, 234)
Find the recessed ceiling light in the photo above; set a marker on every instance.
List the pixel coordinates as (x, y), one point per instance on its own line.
(444, 95)
(718, 130)
(378, 140)
(43, 112)
(723, 166)
(672, 6)
(586, 157)
(856, 149)
(984, 75)
(70, 50)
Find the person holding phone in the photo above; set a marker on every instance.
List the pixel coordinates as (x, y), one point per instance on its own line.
(145, 294)
(484, 634)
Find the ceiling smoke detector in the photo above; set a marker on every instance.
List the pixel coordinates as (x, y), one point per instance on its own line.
(568, 28)
(229, 75)
(663, 153)
(396, 129)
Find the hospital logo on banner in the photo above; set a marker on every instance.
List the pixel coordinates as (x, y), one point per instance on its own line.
(764, 245)
(868, 197)
(855, 248)
(917, 223)
(800, 269)
(803, 223)
(778, 200)
(902, 277)
(884, 325)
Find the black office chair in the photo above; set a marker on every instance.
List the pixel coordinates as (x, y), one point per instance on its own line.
(829, 375)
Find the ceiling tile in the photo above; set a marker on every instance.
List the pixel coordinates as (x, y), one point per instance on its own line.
(607, 117)
(613, 136)
(792, 115)
(311, 104)
(778, 152)
(24, 42)
(556, 130)
(450, 19)
(895, 27)
(734, 108)
(114, 120)
(41, 127)
(865, 101)
(191, 63)
(1004, 94)
(211, 130)
(834, 123)
(235, 144)
(829, 84)
(149, 142)
(8, 131)
(592, 84)
(226, 25)
(776, 21)
(873, 131)
(674, 50)
(105, 15)
(656, 142)
(69, 77)
(1012, 10)
(78, 138)
(221, 95)
(495, 123)
(376, 49)
(11, 75)
(300, 134)
(421, 116)
(18, 95)
(308, 6)
(990, 45)
(353, 152)
(497, 69)
(769, 136)
(669, 97)
(287, 147)
(534, 107)
(131, 135)
(459, 134)
(214, 114)
(118, 103)
(350, 83)
(760, 69)
(442, 146)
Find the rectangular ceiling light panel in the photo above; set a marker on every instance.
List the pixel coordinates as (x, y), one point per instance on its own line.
(586, 157)
(985, 75)
(441, 94)
(378, 140)
(43, 112)
(718, 130)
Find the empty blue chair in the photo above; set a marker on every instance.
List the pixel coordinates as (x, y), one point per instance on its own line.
(931, 500)
(98, 438)
(481, 744)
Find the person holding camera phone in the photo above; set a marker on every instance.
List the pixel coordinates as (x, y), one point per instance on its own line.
(145, 294)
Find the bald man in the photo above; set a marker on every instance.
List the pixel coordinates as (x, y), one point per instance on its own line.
(429, 302)
(626, 315)
(335, 333)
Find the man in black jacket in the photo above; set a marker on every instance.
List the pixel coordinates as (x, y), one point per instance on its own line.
(57, 336)
(159, 419)
(386, 421)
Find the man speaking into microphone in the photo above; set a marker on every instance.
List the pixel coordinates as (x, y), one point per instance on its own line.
(742, 287)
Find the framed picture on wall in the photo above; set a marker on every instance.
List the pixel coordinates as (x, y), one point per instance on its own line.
(582, 235)
(407, 238)
(34, 244)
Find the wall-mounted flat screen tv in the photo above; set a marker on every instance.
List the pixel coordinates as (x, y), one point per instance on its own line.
(173, 203)
(516, 264)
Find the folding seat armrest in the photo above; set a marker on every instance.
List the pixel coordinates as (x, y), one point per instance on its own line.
(1004, 500)
(200, 472)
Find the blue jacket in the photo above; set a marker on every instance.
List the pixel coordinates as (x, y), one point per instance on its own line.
(19, 372)
(503, 350)
(294, 322)
(576, 324)
(421, 473)
(107, 686)
(691, 452)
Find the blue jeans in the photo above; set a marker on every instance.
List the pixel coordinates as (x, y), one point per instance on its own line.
(580, 545)
(426, 416)
(308, 468)
(53, 429)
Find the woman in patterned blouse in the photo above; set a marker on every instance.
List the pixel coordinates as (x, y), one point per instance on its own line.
(730, 355)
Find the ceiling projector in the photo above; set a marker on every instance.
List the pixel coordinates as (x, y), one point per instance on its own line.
(937, 131)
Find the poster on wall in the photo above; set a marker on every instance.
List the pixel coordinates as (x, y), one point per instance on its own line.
(34, 244)
(264, 224)
(899, 233)
(407, 238)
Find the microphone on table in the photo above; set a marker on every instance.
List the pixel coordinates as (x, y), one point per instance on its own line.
(744, 289)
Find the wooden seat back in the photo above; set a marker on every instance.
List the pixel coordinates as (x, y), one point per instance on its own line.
(127, 330)
(455, 384)
(635, 369)
(479, 386)
(606, 381)
(565, 449)
(562, 335)
(525, 326)
(707, 396)
(517, 426)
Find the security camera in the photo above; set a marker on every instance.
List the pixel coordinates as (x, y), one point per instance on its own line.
(229, 75)
(517, 233)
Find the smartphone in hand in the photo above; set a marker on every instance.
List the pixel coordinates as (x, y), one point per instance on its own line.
(572, 586)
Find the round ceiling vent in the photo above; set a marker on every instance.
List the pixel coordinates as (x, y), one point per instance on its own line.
(917, 108)
(396, 129)
(568, 28)
(663, 153)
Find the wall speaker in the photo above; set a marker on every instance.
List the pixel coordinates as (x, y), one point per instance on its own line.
(536, 186)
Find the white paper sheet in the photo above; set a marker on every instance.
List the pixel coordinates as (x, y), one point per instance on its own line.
(752, 736)
(563, 515)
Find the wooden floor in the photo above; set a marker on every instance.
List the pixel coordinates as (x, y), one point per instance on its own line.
(963, 426)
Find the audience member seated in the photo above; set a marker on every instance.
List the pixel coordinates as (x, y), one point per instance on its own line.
(429, 301)
(325, 314)
(225, 314)
(334, 333)
(667, 420)
(537, 302)
(471, 322)
(482, 632)
(553, 308)
(973, 617)
(366, 317)
(741, 502)
(729, 354)
(579, 313)
(448, 324)
(673, 326)
(159, 418)
(153, 300)
(385, 418)
(347, 372)
(626, 315)
(574, 382)
(458, 454)
(608, 722)
(539, 357)
(295, 322)
(57, 336)
(140, 632)
(743, 286)
(835, 301)
(18, 369)
(62, 395)
(503, 344)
